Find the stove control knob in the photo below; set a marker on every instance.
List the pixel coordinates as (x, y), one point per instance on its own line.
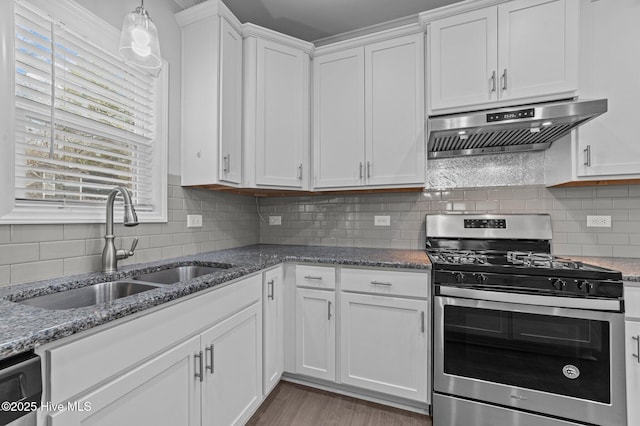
(459, 277)
(559, 284)
(480, 278)
(585, 286)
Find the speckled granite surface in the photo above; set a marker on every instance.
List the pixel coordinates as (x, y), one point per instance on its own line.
(630, 267)
(24, 327)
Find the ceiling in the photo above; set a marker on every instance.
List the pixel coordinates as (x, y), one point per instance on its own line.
(313, 20)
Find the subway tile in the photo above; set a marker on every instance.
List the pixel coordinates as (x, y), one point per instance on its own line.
(61, 249)
(539, 204)
(567, 204)
(613, 191)
(613, 239)
(94, 246)
(83, 231)
(5, 234)
(626, 203)
(634, 190)
(475, 195)
(82, 264)
(525, 194)
(578, 238)
(464, 205)
(597, 250)
(626, 251)
(512, 205)
(581, 193)
(567, 249)
(500, 194)
(36, 233)
(19, 253)
(36, 271)
(175, 203)
(171, 252)
(5, 275)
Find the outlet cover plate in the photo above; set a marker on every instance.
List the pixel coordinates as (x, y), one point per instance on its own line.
(599, 221)
(275, 220)
(194, 221)
(382, 220)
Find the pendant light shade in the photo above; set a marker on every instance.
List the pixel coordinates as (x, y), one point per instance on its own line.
(139, 43)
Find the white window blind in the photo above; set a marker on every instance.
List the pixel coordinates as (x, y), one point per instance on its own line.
(85, 121)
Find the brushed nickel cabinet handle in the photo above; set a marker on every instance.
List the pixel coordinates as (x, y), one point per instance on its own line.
(329, 310)
(312, 277)
(504, 79)
(227, 163)
(493, 81)
(368, 169)
(361, 175)
(637, 354)
(199, 366)
(587, 156)
(210, 350)
(422, 321)
(270, 287)
(385, 283)
(300, 172)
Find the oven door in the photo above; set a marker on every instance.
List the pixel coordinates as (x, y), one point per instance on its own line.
(564, 362)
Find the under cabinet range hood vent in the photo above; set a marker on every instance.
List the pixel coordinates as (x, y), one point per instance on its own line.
(514, 129)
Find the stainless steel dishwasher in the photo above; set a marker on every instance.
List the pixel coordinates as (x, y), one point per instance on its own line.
(20, 390)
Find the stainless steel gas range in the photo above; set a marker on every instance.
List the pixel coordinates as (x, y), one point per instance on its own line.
(521, 337)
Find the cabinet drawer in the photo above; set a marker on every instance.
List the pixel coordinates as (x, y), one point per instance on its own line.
(315, 276)
(632, 300)
(398, 283)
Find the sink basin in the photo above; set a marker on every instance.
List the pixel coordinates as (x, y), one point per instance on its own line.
(89, 295)
(181, 273)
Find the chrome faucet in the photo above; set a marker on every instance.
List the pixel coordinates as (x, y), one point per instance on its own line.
(110, 255)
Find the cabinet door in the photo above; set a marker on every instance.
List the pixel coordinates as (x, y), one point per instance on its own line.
(384, 344)
(273, 328)
(315, 333)
(538, 48)
(463, 59)
(232, 351)
(230, 103)
(281, 121)
(162, 391)
(394, 108)
(632, 347)
(338, 125)
(607, 70)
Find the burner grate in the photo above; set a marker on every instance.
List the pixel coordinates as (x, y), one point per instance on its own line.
(541, 260)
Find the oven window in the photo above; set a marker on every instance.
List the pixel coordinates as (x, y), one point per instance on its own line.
(565, 356)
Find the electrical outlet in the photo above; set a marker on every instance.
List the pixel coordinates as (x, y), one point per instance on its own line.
(382, 220)
(275, 220)
(599, 221)
(194, 221)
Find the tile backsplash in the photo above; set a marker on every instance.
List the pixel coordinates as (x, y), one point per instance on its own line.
(35, 252)
(349, 220)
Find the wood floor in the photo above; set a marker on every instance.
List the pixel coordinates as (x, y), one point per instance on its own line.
(293, 404)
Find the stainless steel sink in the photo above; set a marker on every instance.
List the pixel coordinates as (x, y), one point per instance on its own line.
(89, 295)
(181, 273)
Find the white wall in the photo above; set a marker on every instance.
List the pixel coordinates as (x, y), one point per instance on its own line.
(161, 13)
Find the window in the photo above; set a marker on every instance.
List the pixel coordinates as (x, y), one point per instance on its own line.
(83, 121)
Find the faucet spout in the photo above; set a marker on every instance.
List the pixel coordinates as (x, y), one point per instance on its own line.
(110, 255)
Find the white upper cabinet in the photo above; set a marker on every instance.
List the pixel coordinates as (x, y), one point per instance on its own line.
(606, 148)
(503, 54)
(338, 130)
(211, 95)
(276, 137)
(369, 114)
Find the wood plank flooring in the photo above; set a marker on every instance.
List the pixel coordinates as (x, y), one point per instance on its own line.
(293, 404)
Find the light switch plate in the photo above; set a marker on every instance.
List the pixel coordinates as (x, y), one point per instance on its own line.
(194, 221)
(382, 220)
(275, 220)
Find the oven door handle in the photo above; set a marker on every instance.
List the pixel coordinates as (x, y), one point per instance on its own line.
(533, 299)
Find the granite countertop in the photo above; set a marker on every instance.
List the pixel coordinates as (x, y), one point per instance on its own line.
(25, 327)
(630, 267)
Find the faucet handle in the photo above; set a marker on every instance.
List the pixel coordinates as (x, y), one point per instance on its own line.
(134, 243)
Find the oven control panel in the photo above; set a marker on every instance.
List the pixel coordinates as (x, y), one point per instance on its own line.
(486, 223)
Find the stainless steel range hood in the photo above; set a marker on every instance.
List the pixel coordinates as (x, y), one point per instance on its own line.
(515, 129)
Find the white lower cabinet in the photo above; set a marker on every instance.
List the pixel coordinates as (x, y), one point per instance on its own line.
(231, 377)
(384, 344)
(632, 361)
(272, 328)
(316, 333)
(160, 392)
(161, 368)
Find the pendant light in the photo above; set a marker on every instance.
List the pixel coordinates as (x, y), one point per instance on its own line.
(139, 40)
